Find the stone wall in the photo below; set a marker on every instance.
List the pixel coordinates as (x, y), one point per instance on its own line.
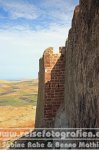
(51, 86)
(82, 67)
(40, 101)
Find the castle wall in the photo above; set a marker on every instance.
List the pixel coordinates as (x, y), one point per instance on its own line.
(69, 85)
(51, 86)
(40, 101)
(82, 67)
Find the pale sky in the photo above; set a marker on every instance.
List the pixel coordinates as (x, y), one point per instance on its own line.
(27, 28)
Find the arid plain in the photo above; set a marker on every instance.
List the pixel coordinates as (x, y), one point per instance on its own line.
(17, 104)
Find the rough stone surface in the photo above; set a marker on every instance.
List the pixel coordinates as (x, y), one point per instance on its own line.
(82, 67)
(61, 120)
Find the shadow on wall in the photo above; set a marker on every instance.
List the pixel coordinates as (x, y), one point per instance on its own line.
(51, 87)
(54, 90)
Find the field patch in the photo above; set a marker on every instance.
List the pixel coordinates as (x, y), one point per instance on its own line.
(18, 93)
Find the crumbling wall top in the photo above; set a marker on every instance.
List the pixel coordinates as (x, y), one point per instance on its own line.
(48, 51)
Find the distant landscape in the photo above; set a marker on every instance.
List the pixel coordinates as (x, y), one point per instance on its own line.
(18, 93)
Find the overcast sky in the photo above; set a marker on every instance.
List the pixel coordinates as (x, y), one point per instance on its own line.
(27, 28)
